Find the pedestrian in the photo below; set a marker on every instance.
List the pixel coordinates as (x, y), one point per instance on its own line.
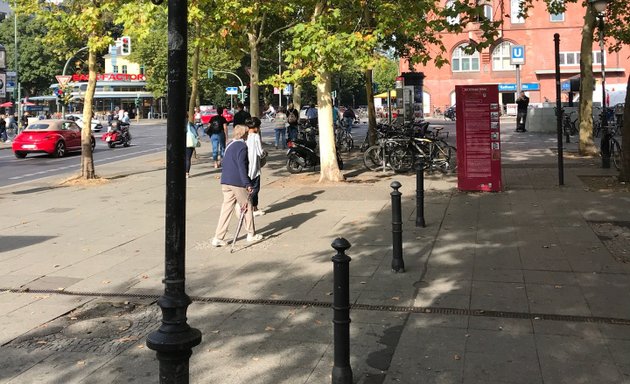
(311, 115)
(256, 156)
(241, 116)
(280, 128)
(293, 118)
(521, 112)
(236, 187)
(336, 120)
(197, 121)
(192, 142)
(348, 118)
(269, 113)
(24, 121)
(3, 129)
(217, 130)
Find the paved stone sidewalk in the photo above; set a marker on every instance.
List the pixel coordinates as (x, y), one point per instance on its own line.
(511, 287)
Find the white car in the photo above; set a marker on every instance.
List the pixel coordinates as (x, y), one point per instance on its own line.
(77, 118)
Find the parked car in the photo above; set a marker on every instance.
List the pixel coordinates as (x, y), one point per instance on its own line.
(55, 137)
(209, 114)
(96, 124)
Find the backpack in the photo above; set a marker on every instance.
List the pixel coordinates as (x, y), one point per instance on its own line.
(291, 119)
(214, 126)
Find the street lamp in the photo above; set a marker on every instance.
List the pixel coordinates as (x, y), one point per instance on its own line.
(600, 7)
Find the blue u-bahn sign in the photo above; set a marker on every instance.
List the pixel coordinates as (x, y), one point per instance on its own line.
(511, 87)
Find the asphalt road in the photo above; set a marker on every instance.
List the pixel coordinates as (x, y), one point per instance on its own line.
(148, 137)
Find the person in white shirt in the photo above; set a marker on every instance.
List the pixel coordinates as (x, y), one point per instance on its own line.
(254, 154)
(270, 112)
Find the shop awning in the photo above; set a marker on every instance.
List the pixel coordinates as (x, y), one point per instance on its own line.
(384, 95)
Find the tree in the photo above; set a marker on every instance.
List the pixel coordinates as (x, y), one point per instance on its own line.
(77, 21)
(347, 35)
(618, 21)
(258, 23)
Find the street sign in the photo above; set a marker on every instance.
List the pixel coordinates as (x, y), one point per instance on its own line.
(288, 89)
(231, 91)
(63, 79)
(517, 55)
(243, 88)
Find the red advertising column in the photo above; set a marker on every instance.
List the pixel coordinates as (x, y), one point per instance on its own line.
(478, 138)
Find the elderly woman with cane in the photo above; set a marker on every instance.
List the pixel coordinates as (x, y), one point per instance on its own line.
(236, 187)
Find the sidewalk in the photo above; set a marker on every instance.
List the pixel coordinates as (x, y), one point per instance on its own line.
(529, 285)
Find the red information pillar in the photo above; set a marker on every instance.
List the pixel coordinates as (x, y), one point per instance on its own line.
(478, 138)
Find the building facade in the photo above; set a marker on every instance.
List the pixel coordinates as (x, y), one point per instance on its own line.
(122, 85)
(537, 75)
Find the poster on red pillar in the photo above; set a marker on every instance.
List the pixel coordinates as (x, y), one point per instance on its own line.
(478, 138)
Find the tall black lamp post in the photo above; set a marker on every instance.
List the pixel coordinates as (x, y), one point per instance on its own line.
(174, 340)
(600, 7)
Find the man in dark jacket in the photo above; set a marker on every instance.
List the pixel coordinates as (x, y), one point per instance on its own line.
(236, 187)
(241, 115)
(521, 112)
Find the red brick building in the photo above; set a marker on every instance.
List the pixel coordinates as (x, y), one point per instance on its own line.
(535, 33)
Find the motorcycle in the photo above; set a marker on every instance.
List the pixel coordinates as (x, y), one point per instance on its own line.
(118, 133)
(450, 113)
(304, 154)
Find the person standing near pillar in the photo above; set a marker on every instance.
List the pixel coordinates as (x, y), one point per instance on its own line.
(521, 112)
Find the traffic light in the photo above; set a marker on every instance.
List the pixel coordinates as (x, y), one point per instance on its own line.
(137, 102)
(210, 73)
(59, 94)
(125, 45)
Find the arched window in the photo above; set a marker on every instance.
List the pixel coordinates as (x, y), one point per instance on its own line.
(501, 57)
(463, 62)
(451, 20)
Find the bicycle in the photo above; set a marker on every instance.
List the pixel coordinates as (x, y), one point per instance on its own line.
(614, 147)
(569, 125)
(435, 154)
(269, 117)
(343, 139)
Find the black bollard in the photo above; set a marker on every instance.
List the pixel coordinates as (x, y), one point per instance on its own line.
(174, 340)
(341, 372)
(398, 265)
(420, 194)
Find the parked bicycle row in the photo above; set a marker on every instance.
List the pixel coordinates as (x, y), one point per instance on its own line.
(404, 148)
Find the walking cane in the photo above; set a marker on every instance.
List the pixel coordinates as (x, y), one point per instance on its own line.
(244, 209)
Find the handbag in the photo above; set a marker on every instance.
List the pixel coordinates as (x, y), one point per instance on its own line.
(263, 158)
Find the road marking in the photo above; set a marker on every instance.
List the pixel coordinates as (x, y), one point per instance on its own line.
(76, 166)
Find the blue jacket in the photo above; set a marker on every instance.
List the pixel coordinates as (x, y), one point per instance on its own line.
(235, 164)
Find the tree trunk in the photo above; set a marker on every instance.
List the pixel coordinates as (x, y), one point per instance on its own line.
(329, 170)
(369, 91)
(194, 81)
(624, 175)
(254, 104)
(587, 147)
(297, 96)
(87, 160)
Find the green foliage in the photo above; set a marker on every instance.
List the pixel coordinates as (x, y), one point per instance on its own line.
(37, 64)
(385, 72)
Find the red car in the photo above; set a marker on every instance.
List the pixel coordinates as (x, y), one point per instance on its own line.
(55, 137)
(207, 115)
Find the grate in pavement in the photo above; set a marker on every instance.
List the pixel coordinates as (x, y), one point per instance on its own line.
(364, 307)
